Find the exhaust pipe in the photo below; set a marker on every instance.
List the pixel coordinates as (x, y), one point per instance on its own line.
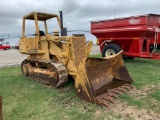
(61, 18)
(63, 30)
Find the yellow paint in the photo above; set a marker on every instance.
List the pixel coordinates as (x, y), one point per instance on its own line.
(97, 42)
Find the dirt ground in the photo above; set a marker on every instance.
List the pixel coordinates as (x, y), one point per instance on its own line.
(12, 57)
(132, 111)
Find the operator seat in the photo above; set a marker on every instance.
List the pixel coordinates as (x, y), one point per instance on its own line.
(41, 33)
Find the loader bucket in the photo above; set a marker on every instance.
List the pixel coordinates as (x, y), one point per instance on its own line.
(100, 80)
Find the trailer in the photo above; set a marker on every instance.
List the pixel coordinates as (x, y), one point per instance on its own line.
(4, 46)
(137, 36)
(16, 45)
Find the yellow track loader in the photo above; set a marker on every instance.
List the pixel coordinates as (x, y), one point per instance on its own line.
(52, 57)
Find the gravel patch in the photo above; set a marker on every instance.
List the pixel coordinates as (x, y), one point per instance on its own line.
(95, 49)
(11, 58)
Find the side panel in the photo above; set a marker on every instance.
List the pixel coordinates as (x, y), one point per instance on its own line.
(132, 21)
(45, 55)
(36, 50)
(153, 20)
(27, 44)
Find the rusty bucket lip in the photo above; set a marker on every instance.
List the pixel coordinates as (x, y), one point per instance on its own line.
(108, 98)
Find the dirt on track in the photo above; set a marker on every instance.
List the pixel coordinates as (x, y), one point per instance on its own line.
(12, 57)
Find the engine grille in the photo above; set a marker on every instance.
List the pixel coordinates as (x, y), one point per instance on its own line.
(79, 49)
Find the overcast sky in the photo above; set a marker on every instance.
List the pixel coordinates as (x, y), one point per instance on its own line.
(77, 13)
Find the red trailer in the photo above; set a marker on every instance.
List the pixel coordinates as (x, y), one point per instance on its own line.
(16, 46)
(2, 46)
(5, 47)
(137, 36)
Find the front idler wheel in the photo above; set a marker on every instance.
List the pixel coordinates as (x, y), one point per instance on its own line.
(24, 68)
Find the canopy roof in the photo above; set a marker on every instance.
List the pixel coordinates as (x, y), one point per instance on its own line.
(41, 16)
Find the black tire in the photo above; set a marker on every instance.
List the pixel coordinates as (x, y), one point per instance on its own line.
(114, 48)
(151, 47)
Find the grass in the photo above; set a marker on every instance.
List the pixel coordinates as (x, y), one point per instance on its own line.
(96, 56)
(146, 78)
(24, 98)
